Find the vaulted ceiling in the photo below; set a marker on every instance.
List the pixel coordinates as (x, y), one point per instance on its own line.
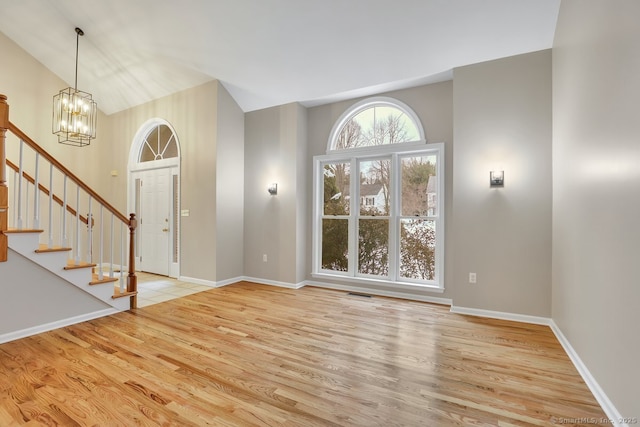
(270, 52)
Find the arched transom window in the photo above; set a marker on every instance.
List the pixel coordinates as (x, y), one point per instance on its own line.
(375, 122)
(378, 199)
(159, 144)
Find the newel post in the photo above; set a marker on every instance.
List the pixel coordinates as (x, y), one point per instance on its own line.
(4, 190)
(132, 280)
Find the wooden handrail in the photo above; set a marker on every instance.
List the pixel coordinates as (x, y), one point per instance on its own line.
(31, 143)
(45, 190)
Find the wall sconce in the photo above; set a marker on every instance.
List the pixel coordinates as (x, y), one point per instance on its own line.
(273, 189)
(496, 179)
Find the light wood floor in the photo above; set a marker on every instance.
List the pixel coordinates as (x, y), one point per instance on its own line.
(250, 354)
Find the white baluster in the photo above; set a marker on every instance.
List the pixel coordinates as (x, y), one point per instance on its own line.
(111, 258)
(26, 205)
(65, 241)
(50, 206)
(20, 175)
(36, 195)
(14, 202)
(77, 248)
(100, 273)
(89, 234)
(121, 257)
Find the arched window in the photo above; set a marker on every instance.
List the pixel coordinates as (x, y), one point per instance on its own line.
(374, 122)
(159, 144)
(378, 199)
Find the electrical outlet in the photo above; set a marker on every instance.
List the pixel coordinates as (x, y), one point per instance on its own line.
(472, 277)
(264, 258)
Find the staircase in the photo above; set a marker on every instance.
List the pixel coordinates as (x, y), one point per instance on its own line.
(67, 244)
(111, 290)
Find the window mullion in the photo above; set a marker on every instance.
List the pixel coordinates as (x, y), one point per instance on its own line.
(354, 211)
(394, 209)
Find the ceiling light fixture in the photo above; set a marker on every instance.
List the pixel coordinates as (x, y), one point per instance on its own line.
(75, 113)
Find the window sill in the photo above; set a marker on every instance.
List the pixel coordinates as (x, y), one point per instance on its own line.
(380, 282)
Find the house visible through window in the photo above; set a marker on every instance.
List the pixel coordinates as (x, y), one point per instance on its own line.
(392, 229)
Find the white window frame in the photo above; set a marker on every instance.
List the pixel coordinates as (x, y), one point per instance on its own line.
(353, 156)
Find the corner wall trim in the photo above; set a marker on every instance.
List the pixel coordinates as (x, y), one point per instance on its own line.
(606, 404)
(12, 336)
(195, 281)
(523, 318)
(273, 282)
(233, 280)
(228, 282)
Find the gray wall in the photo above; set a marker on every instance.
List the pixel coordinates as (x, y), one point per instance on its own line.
(433, 105)
(275, 226)
(32, 296)
(596, 192)
(502, 119)
(229, 196)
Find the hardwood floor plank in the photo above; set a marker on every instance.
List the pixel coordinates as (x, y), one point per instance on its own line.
(254, 355)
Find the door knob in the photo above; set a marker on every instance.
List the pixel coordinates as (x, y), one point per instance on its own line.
(165, 230)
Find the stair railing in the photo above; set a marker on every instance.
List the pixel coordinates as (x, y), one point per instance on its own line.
(64, 227)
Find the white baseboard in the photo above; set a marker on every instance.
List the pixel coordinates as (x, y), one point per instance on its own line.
(379, 292)
(195, 281)
(11, 336)
(228, 282)
(273, 282)
(606, 404)
(523, 318)
(233, 280)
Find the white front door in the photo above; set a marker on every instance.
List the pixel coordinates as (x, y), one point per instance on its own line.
(155, 220)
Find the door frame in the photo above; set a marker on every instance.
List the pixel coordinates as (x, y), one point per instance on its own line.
(136, 167)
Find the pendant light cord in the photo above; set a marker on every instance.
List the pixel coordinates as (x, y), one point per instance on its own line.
(79, 33)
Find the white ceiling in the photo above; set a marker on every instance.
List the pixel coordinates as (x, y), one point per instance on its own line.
(270, 52)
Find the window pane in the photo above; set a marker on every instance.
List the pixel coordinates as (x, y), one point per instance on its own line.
(419, 186)
(373, 247)
(417, 249)
(377, 125)
(337, 177)
(335, 244)
(147, 154)
(374, 187)
(350, 136)
(160, 144)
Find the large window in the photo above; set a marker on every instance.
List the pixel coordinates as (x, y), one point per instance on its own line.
(378, 199)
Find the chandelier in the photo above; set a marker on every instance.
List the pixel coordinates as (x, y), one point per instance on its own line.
(75, 113)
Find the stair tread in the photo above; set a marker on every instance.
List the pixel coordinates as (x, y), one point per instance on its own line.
(118, 294)
(105, 279)
(43, 248)
(22, 230)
